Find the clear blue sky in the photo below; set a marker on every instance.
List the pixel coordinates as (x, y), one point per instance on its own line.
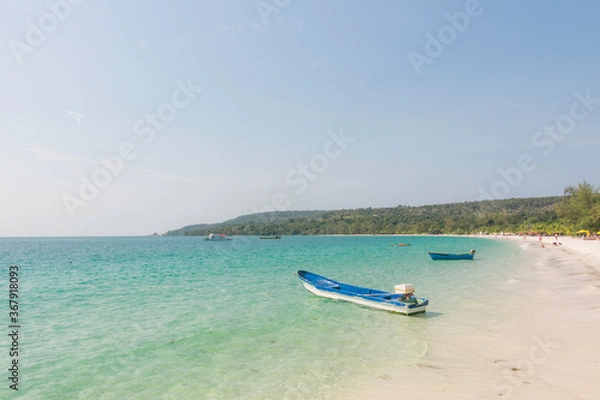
(79, 80)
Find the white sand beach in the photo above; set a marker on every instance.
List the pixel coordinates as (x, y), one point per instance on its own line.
(537, 337)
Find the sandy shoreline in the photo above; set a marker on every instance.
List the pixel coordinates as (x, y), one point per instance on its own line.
(539, 338)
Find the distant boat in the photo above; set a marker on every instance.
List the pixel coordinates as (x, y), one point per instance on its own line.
(402, 301)
(217, 237)
(450, 256)
(400, 244)
(270, 237)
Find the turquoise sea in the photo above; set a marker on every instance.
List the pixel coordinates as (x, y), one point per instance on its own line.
(184, 318)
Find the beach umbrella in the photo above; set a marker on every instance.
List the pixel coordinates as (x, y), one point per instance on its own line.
(584, 231)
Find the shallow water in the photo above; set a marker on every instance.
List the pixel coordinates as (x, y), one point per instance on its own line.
(180, 317)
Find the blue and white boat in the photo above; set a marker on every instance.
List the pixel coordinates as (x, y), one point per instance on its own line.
(217, 237)
(451, 256)
(402, 301)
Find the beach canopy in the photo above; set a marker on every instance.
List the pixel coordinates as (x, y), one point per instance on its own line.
(583, 231)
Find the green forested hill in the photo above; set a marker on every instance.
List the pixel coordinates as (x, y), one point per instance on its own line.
(514, 215)
(251, 219)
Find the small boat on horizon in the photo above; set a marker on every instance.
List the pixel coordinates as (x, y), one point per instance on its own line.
(452, 256)
(266, 237)
(402, 301)
(217, 237)
(400, 244)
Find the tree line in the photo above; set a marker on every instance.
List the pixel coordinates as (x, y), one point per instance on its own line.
(578, 209)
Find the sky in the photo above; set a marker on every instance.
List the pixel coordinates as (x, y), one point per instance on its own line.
(128, 118)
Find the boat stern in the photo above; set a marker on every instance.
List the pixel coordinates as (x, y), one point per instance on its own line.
(419, 307)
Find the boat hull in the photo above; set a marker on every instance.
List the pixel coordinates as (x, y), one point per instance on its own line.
(366, 297)
(446, 256)
(217, 237)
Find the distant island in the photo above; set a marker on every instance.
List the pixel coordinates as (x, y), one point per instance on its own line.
(577, 210)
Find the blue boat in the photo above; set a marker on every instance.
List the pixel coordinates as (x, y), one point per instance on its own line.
(402, 301)
(450, 256)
